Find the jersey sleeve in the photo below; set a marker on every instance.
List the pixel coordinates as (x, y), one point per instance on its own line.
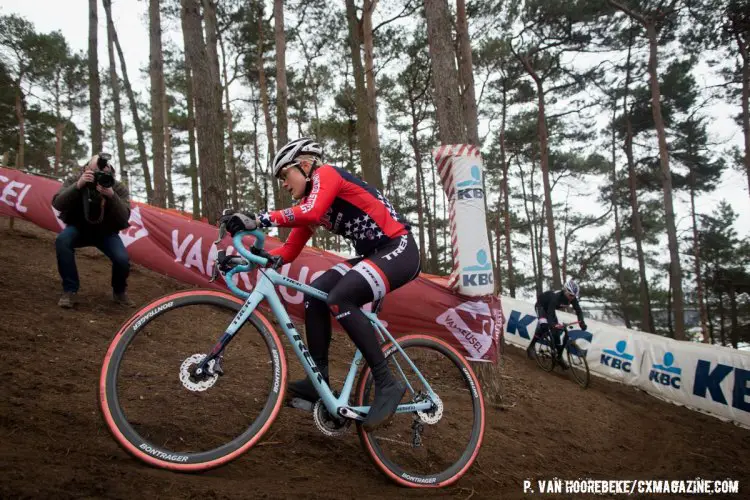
(577, 308)
(326, 184)
(294, 244)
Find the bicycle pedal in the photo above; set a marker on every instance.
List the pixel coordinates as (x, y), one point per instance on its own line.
(301, 404)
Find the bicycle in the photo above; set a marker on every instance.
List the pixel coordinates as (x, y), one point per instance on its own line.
(188, 410)
(546, 356)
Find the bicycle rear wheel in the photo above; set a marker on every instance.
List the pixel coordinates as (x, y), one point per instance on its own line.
(160, 413)
(433, 448)
(579, 367)
(545, 352)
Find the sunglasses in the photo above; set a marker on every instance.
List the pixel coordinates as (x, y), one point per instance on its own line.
(285, 171)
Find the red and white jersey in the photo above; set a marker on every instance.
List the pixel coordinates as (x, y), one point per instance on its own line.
(343, 204)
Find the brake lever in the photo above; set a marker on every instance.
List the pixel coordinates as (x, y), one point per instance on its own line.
(217, 263)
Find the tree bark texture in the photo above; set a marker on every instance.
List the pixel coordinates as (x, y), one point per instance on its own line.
(133, 108)
(156, 73)
(370, 170)
(444, 74)
(674, 251)
(466, 74)
(282, 98)
(213, 181)
(95, 104)
(115, 83)
(369, 51)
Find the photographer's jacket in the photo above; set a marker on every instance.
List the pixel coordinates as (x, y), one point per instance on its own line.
(69, 201)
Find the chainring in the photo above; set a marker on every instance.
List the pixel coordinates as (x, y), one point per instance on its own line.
(327, 424)
(201, 385)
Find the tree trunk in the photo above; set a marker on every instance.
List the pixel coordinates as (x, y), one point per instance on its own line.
(167, 147)
(618, 232)
(451, 128)
(735, 333)
(544, 160)
(133, 107)
(670, 328)
(59, 127)
(432, 261)
(506, 197)
(745, 105)
(21, 127)
(433, 229)
(696, 251)
(230, 131)
(722, 317)
(156, 72)
(466, 74)
(370, 169)
(530, 218)
(282, 93)
(95, 104)
(367, 9)
(414, 140)
(195, 188)
(676, 267)
(115, 83)
(210, 27)
(434, 255)
(207, 110)
(647, 318)
(711, 328)
(266, 106)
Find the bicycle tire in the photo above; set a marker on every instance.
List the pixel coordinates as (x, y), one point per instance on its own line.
(545, 352)
(467, 387)
(579, 367)
(189, 461)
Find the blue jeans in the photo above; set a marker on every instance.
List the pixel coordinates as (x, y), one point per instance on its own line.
(111, 245)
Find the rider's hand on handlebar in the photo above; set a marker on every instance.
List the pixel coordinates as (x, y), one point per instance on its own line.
(559, 326)
(239, 221)
(582, 324)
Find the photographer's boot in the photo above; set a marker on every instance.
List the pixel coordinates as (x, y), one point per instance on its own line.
(122, 299)
(67, 300)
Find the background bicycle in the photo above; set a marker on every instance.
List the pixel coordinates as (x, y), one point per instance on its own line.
(546, 355)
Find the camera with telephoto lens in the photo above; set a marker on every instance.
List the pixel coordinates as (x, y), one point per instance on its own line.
(101, 177)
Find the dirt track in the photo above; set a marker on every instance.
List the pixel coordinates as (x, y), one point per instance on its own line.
(54, 443)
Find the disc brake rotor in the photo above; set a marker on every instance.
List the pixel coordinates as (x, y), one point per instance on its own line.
(197, 385)
(434, 414)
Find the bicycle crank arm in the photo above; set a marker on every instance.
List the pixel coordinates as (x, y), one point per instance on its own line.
(347, 412)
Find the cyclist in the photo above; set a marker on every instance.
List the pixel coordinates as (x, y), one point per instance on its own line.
(388, 259)
(546, 306)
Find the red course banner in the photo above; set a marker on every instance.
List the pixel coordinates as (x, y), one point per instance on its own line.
(174, 245)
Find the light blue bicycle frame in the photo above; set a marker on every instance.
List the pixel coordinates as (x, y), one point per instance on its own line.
(265, 288)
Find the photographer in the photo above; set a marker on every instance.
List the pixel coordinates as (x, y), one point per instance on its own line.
(95, 208)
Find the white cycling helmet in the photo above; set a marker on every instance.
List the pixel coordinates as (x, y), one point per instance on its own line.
(295, 148)
(572, 287)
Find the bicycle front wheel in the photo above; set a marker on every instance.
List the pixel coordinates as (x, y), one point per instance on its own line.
(579, 367)
(545, 352)
(436, 447)
(156, 408)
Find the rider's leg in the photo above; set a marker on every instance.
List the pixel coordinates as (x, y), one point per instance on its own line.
(391, 267)
(318, 330)
(537, 332)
